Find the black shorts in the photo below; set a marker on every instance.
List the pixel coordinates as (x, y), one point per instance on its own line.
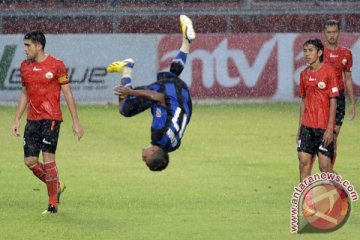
(340, 108)
(41, 135)
(311, 141)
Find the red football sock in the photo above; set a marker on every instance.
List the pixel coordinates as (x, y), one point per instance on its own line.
(51, 179)
(39, 171)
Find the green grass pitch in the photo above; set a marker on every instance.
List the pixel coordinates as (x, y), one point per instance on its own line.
(232, 178)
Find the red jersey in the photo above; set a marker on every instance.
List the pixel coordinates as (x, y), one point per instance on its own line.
(341, 60)
(43, 82)
(317, 87)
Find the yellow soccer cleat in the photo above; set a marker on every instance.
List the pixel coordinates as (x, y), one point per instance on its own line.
(118, 66)
(187, 28)
(61, 189)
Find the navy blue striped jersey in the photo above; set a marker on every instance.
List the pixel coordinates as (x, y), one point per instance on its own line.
(170, 121)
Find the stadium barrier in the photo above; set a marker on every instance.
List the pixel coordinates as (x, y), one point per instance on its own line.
(240, 67)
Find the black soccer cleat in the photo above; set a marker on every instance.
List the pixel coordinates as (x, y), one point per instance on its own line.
(51, 209)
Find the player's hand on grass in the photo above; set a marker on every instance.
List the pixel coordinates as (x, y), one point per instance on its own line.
(78, 130)
(328, 137)
(16, 128)
(352, 111)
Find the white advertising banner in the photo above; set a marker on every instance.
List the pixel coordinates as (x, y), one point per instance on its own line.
(232, 67)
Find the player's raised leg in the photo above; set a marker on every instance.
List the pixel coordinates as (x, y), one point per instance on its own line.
(128, 106)
(187, 28)
(125, 67)
(188, 34)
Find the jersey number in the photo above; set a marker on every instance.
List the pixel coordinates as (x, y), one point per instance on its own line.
(175, 121)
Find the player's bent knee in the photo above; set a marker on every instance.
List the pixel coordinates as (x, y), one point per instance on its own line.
(30, 161)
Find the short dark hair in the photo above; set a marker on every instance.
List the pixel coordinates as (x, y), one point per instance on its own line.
(159, 160)
(36, 37)
(332, 22)
(318, 45)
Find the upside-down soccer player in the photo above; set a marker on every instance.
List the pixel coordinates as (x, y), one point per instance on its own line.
(43, 77)
(168, 98)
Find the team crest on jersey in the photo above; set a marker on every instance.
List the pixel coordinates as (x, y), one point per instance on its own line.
(49, 75)
(321, 85)
(158, 112)
(344, 61)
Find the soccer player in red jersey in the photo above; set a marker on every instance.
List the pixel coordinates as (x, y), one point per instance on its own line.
(43, 77)
(341, 59)
(318, 92)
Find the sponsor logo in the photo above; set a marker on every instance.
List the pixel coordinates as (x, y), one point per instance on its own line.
(321, 147)
(312, 79)
(46, 142)
(225, 67)
(333, 55)
(84, 78)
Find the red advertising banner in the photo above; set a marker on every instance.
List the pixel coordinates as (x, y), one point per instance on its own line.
(247, 66)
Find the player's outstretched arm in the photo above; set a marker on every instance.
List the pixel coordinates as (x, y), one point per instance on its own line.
(147, 94)
(19, 112)
(77, 128)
